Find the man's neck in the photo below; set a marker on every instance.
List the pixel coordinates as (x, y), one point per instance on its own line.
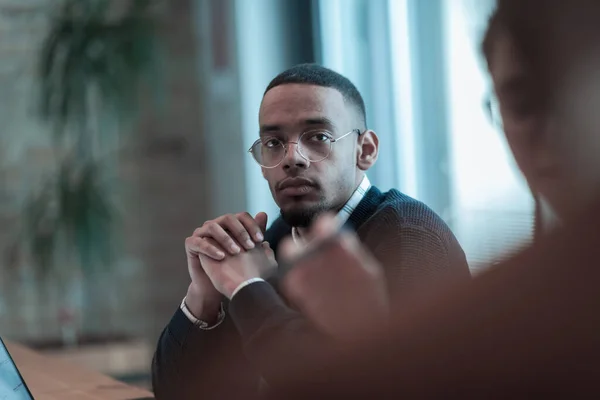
(303, 231)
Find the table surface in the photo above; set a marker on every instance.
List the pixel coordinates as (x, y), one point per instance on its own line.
(50, 379)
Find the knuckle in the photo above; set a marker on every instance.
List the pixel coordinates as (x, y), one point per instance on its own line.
(190, 242)
(243, 233)
(244, 214)
(209, 241)
(229, 217)
(212, 228)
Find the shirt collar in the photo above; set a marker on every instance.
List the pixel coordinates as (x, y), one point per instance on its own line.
(346, 210)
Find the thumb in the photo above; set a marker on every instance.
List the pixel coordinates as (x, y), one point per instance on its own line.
(289, 250)
(261, 219)
(325, 226)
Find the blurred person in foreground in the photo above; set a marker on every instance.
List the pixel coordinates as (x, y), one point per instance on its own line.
(233, 328)
(529, 327)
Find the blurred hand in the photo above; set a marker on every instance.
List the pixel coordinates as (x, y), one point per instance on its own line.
(202, 299)
(227, 274)
(336, 283)
(231, 234)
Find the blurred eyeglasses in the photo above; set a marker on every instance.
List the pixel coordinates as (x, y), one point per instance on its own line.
(492, 108)
(313, 146)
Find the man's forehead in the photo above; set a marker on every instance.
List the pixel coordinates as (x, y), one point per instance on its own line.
(299, 103)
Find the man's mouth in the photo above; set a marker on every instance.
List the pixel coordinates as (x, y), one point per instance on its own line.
(297, 186)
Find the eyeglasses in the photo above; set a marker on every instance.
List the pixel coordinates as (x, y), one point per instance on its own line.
(314, 146)
(493, 110)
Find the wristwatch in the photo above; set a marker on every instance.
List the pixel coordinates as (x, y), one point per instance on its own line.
(203, 324)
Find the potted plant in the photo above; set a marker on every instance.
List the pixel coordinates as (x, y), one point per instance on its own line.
(97, 57)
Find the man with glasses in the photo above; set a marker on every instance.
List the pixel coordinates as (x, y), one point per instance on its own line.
(314, 150)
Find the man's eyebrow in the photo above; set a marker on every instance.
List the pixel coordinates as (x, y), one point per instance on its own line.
(270, 128)
(319, 121)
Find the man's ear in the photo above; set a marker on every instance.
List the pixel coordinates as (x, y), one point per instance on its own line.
(367, 150)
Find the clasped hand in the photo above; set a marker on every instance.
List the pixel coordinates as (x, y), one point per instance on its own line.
(224, 253)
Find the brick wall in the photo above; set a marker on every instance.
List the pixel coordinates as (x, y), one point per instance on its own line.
(162, 176)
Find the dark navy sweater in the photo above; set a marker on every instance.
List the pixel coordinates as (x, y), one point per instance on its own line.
(412, 243)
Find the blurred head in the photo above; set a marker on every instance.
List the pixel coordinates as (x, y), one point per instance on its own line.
(314, 145)
(542, 72)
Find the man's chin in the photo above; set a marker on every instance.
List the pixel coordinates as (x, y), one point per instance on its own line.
(300, 217)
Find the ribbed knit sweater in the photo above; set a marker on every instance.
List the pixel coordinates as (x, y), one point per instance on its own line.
(412, 243)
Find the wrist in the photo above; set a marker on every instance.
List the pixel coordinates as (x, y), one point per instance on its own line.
(243, 284)
(205, 308)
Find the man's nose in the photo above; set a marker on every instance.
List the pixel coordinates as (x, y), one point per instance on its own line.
(293, 158)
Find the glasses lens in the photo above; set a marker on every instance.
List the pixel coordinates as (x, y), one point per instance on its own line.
(315, 145)
(268, 152)
(494, 112)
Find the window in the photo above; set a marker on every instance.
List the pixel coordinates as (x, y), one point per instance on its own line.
(417, 64)
(492, 206)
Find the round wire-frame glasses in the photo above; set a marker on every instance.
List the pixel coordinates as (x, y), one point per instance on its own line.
(313, 145)
(492, 108)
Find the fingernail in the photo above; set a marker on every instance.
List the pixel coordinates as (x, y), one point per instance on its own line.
(250, 243)
(260, 237)
(235, 248)
(220, 254)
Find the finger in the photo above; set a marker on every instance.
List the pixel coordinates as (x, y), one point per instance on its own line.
(327, 232)
(354, 248)
(266, 246)
(193, 261)
(252, 227)
(261, 219)
(289, 250)
(215, 231)
(238, 231)
(196, 246)
(298, 288)
(268, 250)
(324, 227)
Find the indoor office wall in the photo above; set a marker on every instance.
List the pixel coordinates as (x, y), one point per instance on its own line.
(184, 162)
(160, 183)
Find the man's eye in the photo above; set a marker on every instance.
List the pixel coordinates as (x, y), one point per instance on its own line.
(272, 143)
(318, 137)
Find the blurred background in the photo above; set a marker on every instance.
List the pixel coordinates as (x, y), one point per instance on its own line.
(125, 125)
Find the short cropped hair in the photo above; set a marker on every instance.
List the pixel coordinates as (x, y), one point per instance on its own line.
(314, 74)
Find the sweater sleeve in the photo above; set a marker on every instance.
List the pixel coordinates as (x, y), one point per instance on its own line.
(273, 334)
(417, 254)
(190, 363)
